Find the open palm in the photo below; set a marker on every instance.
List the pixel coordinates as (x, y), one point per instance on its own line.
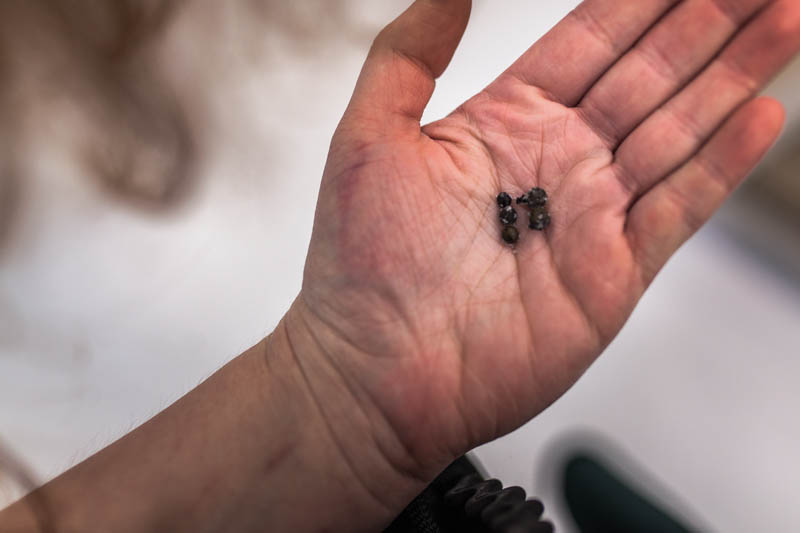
(636, 116)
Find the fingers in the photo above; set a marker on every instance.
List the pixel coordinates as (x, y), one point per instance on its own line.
(676, 130)
(568, 60)
(664, 218)
(399, 75)
(679, 46)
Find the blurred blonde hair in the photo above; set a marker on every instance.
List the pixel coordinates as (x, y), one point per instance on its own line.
(102, 63)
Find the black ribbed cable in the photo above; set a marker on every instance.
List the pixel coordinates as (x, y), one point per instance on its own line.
(460, 501)
(500, 510)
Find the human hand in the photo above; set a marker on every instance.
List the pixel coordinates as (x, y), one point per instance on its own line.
(636, 116)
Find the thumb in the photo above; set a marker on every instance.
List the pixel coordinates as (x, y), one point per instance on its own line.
(398, 77)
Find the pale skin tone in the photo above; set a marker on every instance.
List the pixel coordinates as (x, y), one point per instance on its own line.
(418, 334)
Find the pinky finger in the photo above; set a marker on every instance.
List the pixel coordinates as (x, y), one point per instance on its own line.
(664, 218)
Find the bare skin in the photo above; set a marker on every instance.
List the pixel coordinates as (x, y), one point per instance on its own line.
(418, 334)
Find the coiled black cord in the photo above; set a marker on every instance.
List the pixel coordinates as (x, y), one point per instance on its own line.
(459, 500)
(500, 510)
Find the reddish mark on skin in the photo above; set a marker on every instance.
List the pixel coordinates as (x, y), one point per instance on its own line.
(383, 221)
(364, 228)
(274, 460)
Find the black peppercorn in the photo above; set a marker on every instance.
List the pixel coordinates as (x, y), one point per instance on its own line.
(539, 218)
(508, 215)
(503, 200)
(537, 197)
(510, 234)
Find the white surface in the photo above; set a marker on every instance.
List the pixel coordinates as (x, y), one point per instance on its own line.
(108, 313)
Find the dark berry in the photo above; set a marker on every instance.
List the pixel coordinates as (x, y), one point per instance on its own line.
(510, 234)
(508, 215)
(537, 197)
(503, 200)
(539, 218)
(522, 199)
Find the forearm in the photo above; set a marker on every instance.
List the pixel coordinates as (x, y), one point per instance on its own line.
(250, 449)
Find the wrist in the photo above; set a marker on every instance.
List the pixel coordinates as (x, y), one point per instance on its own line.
(351, 443)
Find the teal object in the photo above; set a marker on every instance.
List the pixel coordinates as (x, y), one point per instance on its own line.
(602, 503)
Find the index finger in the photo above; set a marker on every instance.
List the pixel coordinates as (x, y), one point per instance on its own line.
(568, 60)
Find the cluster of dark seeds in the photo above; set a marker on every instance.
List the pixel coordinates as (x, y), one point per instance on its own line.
(508, 217)
(536, 200)
(538, 218)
